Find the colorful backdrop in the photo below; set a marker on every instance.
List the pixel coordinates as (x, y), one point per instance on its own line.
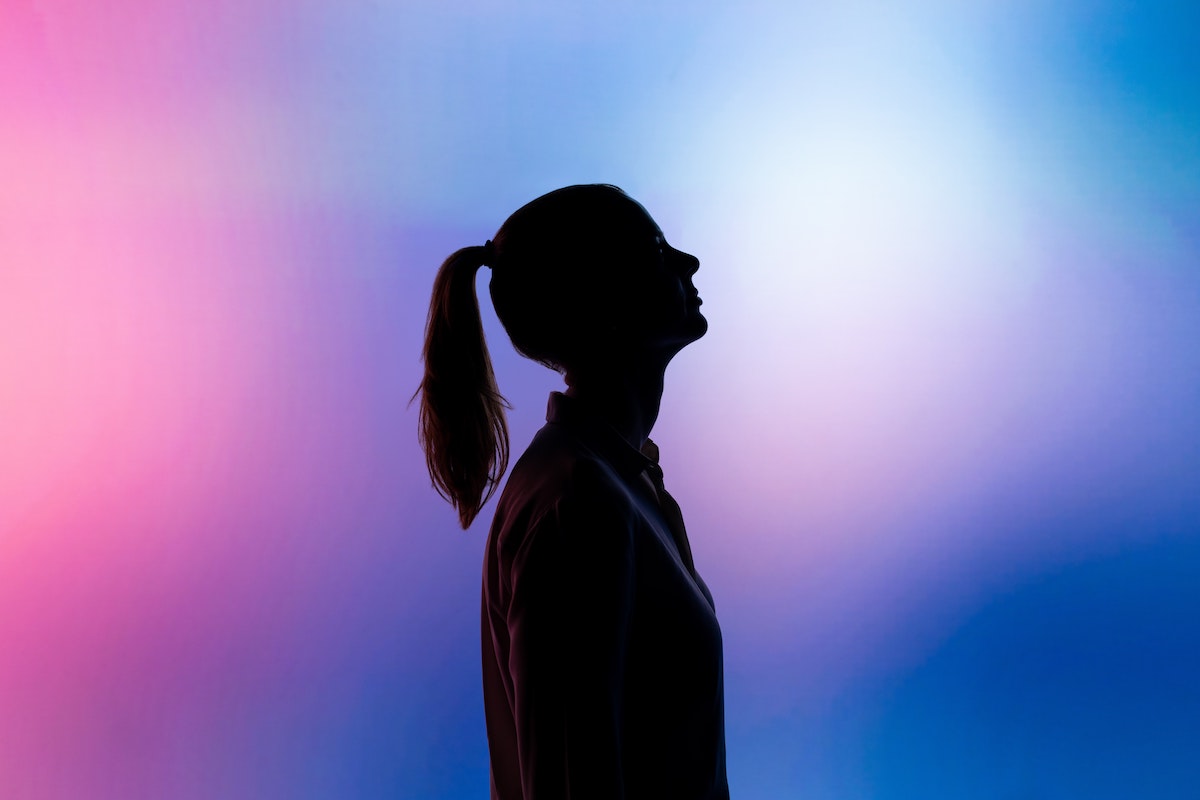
(939, 454)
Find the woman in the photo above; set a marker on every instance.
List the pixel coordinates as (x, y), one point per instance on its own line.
(601, 651)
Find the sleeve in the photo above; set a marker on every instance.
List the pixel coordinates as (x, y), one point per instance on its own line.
(568, 621)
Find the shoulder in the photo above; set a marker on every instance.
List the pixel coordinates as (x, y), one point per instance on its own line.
(558, 470)
(559, 487)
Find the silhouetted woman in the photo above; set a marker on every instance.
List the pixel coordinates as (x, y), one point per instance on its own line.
(602, 668)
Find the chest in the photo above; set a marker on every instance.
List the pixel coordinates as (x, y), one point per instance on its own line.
(675, 639)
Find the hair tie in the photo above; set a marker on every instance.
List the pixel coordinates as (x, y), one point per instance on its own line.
(489, 253)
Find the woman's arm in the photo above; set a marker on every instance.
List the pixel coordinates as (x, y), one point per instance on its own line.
(572, 591)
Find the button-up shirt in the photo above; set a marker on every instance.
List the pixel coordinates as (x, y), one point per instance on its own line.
(602, 671)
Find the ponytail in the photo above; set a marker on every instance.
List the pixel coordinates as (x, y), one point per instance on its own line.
(462, 427)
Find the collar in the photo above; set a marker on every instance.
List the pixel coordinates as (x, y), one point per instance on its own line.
(600, 437)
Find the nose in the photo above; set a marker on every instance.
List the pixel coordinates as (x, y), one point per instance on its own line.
(686, 263)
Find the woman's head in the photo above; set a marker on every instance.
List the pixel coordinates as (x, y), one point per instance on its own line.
(584, 274)
(582, 278)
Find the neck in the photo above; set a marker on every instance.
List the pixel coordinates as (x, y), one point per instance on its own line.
(627, 399)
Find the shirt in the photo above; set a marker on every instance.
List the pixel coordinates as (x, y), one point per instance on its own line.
(602, 666)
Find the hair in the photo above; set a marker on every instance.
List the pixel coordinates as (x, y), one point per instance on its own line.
(462, 427)
(541, 259)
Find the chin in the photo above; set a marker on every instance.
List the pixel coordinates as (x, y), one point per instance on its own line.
(697, 327)
(683, 333)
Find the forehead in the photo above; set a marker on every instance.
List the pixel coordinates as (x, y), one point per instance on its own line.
(632, 216)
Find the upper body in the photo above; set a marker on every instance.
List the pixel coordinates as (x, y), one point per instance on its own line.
(602, 663)
(601, 650)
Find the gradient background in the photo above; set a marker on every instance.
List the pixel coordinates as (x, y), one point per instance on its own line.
(940, 452)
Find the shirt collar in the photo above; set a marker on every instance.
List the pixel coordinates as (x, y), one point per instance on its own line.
(597, 435)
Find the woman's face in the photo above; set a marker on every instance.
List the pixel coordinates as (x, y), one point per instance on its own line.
(662, 306)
